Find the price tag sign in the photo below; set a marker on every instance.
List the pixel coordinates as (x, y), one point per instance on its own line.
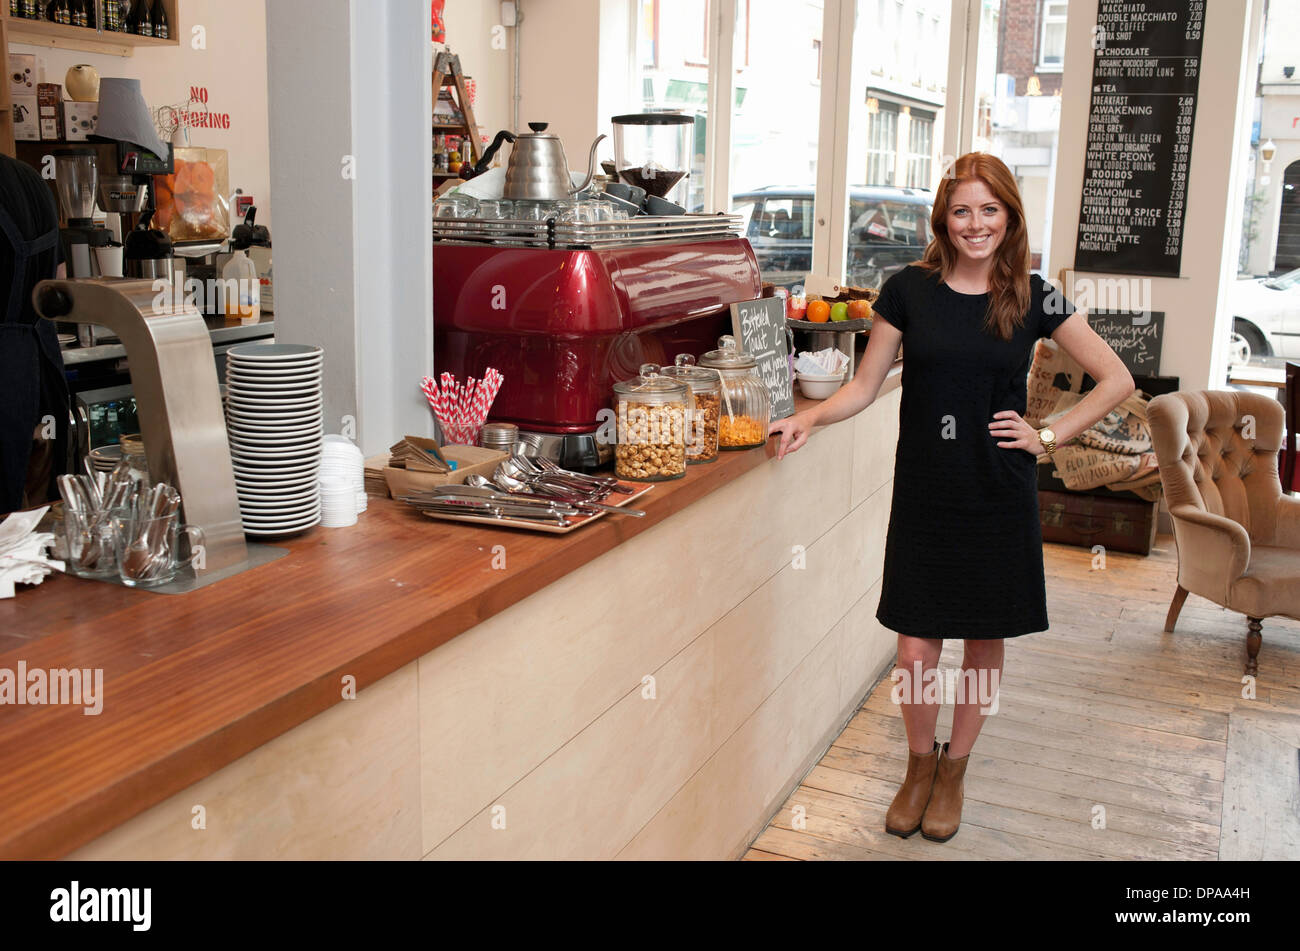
(759, 328)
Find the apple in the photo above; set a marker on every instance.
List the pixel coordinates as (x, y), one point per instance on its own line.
(859, 309)
(840, 311)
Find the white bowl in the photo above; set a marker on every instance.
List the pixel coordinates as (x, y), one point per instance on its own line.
(819, 387)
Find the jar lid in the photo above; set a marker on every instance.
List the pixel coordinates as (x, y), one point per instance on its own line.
(728, 356)
(652, 386)
(697, 378)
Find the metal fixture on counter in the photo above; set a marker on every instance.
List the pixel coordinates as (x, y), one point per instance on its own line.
(179, 401)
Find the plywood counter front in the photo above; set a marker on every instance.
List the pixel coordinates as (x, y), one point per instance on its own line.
(643, 687)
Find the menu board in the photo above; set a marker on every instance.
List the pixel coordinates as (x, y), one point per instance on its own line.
(1145, 77)
(759, 327)
(1135, 336)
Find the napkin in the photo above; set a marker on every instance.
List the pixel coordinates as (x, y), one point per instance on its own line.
(824, 362)
(24, 551)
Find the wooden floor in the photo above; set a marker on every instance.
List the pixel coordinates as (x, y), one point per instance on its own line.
(1113, 740)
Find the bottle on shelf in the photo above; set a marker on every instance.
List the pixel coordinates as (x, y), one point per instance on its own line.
(30, 10)
(137, 19)
(158, 20)
(79, 15)
(113, 21)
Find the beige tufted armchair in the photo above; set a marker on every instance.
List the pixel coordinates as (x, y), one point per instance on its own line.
(1238, 536)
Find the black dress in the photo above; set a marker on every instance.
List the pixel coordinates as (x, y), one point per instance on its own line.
(964, 553)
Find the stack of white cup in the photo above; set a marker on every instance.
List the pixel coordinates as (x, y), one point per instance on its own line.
(344, 467)
(338, 502)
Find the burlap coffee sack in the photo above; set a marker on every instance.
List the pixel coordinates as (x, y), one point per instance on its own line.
(1123, 429)
(1082, 467)
(1052, 373)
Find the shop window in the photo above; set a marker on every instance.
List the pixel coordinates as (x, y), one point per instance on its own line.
(882, 142)
(1051, 51)
(920, 149)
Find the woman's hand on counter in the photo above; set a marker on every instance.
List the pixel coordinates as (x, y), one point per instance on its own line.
(794, 431)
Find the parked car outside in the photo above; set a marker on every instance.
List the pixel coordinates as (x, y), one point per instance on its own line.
(1265, 317)
(889, 228)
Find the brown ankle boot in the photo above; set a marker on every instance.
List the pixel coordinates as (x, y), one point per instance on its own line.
(904, 816)
(943, 812)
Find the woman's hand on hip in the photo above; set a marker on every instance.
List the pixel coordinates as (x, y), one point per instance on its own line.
(1009, 425)
(794, 432)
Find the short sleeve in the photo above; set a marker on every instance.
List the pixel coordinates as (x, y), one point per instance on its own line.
(890, 304)
(1050, 306)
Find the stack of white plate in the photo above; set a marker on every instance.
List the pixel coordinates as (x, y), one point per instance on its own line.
(341, 457)
(274, 409)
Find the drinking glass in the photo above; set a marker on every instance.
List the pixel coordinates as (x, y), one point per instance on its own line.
(455, 206)
(88, 542)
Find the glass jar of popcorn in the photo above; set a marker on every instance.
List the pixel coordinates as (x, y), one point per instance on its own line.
(652, 417)
(746, 408)
(703, 410)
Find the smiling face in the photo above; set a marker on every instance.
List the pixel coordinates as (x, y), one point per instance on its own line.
(977, 221)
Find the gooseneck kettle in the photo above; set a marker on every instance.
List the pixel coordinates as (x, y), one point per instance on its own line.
(538, 170)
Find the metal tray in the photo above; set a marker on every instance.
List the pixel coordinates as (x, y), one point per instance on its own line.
(577, 522)
(551, 233)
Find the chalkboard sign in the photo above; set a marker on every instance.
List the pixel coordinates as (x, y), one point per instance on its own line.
(759, 329)
(1145, 77)
(1135, 337)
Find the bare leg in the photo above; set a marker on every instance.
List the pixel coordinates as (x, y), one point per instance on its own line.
(918, 718)
(983, 660)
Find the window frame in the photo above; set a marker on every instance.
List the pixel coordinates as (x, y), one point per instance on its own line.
(1048, 20)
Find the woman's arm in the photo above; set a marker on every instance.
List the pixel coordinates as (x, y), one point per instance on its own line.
(1114, 385)
(853, 397)
(1114, 382)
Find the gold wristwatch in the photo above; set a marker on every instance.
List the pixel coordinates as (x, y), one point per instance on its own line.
(1048, 439)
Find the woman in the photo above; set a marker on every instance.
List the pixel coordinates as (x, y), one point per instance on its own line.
(33, 390)
(964, 556)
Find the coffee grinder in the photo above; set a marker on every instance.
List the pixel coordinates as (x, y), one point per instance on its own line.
(76, 180)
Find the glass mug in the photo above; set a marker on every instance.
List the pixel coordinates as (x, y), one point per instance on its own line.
(147, 549)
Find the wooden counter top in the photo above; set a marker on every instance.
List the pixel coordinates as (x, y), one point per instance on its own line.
(193, 682)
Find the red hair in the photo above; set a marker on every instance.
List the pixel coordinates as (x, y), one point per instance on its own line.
(1009, 277)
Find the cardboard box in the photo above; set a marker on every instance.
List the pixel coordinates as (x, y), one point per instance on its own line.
(27, 120)
(22, 74)
(80, 120)
(49, 99)
(470, 460)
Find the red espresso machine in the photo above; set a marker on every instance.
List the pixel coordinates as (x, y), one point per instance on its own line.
(566, 311)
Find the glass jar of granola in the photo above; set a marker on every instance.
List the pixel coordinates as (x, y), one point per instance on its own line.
(651, 411)
(705, 407)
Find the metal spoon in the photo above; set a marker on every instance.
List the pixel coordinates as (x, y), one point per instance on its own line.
(515, 486)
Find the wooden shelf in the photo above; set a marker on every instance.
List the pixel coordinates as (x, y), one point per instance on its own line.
(84, 39)
(6, 110)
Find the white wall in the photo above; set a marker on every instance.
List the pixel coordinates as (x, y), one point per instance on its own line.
(1197, 326)
(560, 52)
(232, 67)
(487, 56)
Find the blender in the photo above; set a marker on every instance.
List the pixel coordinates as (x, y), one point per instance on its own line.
(652, 150)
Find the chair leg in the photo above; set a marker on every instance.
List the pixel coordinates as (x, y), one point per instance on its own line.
(1175, 607)
(1254, 639)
